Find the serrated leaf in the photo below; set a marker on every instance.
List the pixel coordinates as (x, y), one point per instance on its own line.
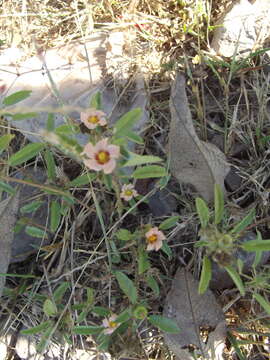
(206, 275)
(169, 223)
(33, 206)
(49, 308)
(101, 311)
(24, 116)
(243, 223)
(25, 154)
(35, 232)
(4, 142)
(87, 330)
(127, 286)
(7, 188)
(256, 245)
(127, 121)
(263, 302)
(152, 283)
(50, 164)
(16, 97)
(37, 329)
(236, 279)
(60, 291)
(202, 211)
(55, 215)
(143, 262)
(164, 324)
(150, 171)
(135, 159)
(219, 204)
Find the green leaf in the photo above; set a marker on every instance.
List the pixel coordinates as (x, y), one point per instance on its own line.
(49, 308)
(127, 121)
(4, 142)
(152, 283)
(24, 116)
(264, 303)
(132, 136)
(45, 339)
(33, 206)
(27, 153)
(37, 329)
(60, 291)
(136, 159)
(55, 215)
(164, 324)
(66, 129)
(35, 232)
(101, 311)
(16, 97)
(203, 212)
(50, 164)
(169, 223)
(127, 286)
(124, 235)
(256, 245)
(124, 316)
(243, 223)
(7, 188)
(206, 275)
(150, 171)
(143, 262)
(82, 180)
(219, 204)
(166, 249)
(87, 330)
(236, 279)
(50, 125)
(95, 101)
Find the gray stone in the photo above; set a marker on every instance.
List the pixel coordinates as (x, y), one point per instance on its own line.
(242, 28)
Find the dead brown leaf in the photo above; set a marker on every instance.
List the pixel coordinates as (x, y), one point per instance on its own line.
(192, 160)
(191, 312)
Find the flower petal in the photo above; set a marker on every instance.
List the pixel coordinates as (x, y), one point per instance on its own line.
(89, 150)
(114, 151)
(157, 244)
(102, 145)
(93, 165)
(109, 166)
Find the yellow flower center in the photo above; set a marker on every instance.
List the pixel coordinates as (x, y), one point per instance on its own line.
(112, 324)
(93, 119)
(128, 192)
(152, 238)
(102, 157)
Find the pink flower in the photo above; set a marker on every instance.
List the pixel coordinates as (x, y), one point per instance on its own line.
(101, 156)
(128, 192)
(110, 324)
(92, 118)
(154, 238)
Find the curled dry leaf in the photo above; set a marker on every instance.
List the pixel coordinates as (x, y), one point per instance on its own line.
(8, 216)
(191, 312)
(192, 160)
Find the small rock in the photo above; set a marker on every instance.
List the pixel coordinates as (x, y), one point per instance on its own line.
(26, 348)
(242, 29)
(23, 244)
